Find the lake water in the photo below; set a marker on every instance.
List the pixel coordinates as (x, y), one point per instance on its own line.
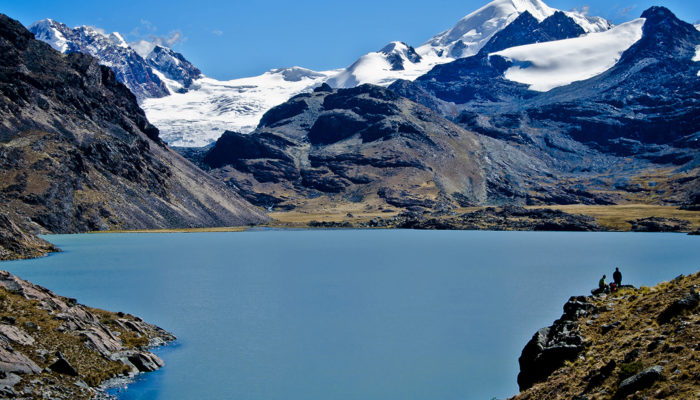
(346, 314)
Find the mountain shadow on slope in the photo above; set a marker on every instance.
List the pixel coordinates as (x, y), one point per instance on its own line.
(78, 154)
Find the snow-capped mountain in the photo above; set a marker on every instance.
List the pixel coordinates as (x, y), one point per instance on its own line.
(191, 109)
(188, 108)
(464, 39)
(152, 73)
(172, 67)
(199, 116)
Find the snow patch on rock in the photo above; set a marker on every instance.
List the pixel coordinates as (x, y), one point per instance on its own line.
(547, 65)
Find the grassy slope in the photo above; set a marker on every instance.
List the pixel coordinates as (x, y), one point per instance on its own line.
(676, 348)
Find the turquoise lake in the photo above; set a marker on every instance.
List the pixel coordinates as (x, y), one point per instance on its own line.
(346, 314)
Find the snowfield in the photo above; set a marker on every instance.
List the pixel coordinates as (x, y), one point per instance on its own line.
(198, 117)
(547, 65)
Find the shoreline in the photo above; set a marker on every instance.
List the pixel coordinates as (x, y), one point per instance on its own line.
(609, 218)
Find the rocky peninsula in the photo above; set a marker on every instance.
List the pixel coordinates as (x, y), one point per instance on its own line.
(634, 343)
(53, 347)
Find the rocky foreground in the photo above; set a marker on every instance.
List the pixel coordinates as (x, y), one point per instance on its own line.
(635, 343)
(52, 347)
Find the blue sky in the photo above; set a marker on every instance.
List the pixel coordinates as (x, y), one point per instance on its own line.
(232, 39)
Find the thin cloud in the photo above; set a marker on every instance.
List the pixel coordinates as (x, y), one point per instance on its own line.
(217, 32)
(100, 30)
(147, 31)
(624, 11)
(583, 10)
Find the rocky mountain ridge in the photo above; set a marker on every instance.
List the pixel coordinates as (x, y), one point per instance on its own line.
(149, 71)
(78, 154)
(153, 71)
(315, 148)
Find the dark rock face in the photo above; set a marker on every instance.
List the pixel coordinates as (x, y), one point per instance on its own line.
(335, 126)
(394, 57)
(77, 153)
(550, 347)
(526, 30)
(352, 144)
(284, 111)
(689, 302)
(62, 366)
(640, 381)
(658, 224)
(174, 65)
(146, 362)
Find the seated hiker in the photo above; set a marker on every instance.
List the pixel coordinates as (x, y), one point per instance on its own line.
(617, 277)
(601, 283)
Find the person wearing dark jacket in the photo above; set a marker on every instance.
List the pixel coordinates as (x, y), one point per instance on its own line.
(617, 277)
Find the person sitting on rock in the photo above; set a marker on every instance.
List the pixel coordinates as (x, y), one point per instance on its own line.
(617, 277)
(601, 283)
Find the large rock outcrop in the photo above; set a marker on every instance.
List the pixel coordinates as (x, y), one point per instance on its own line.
(551, 346)
(52, 346)
(629, 344)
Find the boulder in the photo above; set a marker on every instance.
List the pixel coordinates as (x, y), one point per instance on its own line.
(14, 361)
(16, 335)
(640, 381)
(688, 302)
(608, 327)
(145, 361)
(62, 366)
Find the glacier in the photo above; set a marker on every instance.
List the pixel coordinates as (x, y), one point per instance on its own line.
(547, 65)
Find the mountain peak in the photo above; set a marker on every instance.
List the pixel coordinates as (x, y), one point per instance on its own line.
(473, 31)
(657, 13)
(664, 37)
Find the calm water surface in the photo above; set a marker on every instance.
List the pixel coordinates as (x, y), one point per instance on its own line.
(346, 314)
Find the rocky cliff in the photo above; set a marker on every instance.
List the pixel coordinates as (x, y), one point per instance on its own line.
(634, 343)
(53, 347)
(78, 154)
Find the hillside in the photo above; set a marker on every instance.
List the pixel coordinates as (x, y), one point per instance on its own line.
(78, 154)
(635, 343)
